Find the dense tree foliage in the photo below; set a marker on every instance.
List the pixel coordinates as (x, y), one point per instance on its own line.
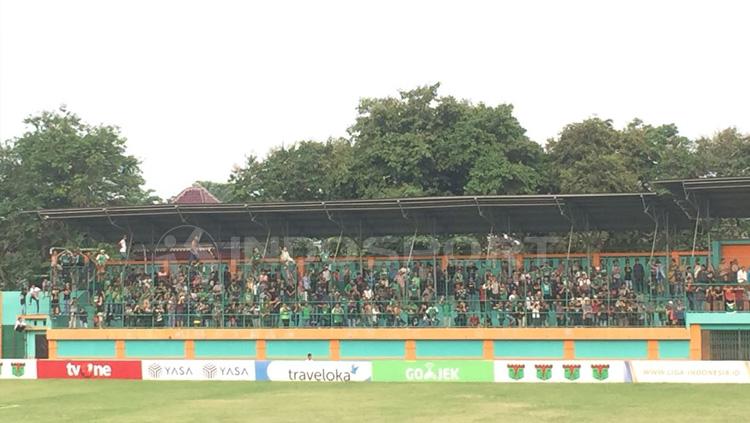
(415, 144)
(59, 162)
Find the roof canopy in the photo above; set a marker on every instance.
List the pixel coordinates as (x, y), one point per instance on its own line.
(726, 197)
(710, 197)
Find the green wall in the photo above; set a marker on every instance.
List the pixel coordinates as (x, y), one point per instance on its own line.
(611, 349)
(146, 349)
(233, 348)
(297, 349)
(674, 350)
(81, 348)
(528, 349)
(449, 349)
(372, 349)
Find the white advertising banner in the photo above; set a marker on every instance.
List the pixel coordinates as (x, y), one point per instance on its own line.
(17, 369)
(664, 371)
(314, 371)
(562, 371)
(198, 370)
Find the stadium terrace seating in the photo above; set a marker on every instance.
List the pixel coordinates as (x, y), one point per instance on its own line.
(467, 292)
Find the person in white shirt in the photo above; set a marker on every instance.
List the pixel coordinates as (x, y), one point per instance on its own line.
(20, 325)
(34, 296)
(123, 244)
(286, 258)
(742, 275)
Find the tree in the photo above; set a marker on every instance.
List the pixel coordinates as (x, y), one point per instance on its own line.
(423, 144)
(306, 171)
(658, 152)
(60, 162)
(588, 157)
(221, 190)
(727, 153)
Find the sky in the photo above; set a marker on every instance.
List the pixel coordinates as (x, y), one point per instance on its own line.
(196, 86)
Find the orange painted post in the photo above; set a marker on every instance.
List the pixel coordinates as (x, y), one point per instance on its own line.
(410, 347)
(696, 343)
(233, 266)
(52, 349)
(189, 349)
(334, 349)
(569, 349)
(488, 349)
(260, 349)
(120, 349)
(443, 262)
(596, 259)
(300, 266)
(652, 349)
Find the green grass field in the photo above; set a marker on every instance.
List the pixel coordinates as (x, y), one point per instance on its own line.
(140, 401)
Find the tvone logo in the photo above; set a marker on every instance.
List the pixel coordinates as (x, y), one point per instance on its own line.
(88, 370)
(429, 374)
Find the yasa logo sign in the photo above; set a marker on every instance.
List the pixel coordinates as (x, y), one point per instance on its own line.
(209, 371)
(199, 369)
(154, 371)
(430, 373)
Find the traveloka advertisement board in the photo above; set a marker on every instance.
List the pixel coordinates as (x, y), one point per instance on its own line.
(314, 371)
(559, 371)
(238, 370)
(17, 369)
(432, 371)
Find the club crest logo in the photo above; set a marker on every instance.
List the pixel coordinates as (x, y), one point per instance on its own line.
(572, 371)
(600, 371)
(543, 371)
(515, 371)
(18, 369)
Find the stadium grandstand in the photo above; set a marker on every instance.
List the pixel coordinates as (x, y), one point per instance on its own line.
(200, 263)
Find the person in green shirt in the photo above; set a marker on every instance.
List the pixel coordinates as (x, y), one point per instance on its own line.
(414, 287)
(337, 314)
(305, 313)
(284, 315)
(324, 316)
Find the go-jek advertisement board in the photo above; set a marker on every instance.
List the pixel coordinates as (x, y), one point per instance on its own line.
(432, 371)
(313, 371)
(199, 370)
(17, 369)
(658, 371)
(552, 371)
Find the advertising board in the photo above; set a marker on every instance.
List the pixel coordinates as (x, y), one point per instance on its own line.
(432, 371)
(199, 370)
(314, 371)
(552, 371)
(662, 371)
(88, 369)
(17, 369)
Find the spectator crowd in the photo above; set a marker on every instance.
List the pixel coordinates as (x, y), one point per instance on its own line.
(327, 293)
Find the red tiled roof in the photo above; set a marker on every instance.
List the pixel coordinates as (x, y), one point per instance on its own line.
(194, 195)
